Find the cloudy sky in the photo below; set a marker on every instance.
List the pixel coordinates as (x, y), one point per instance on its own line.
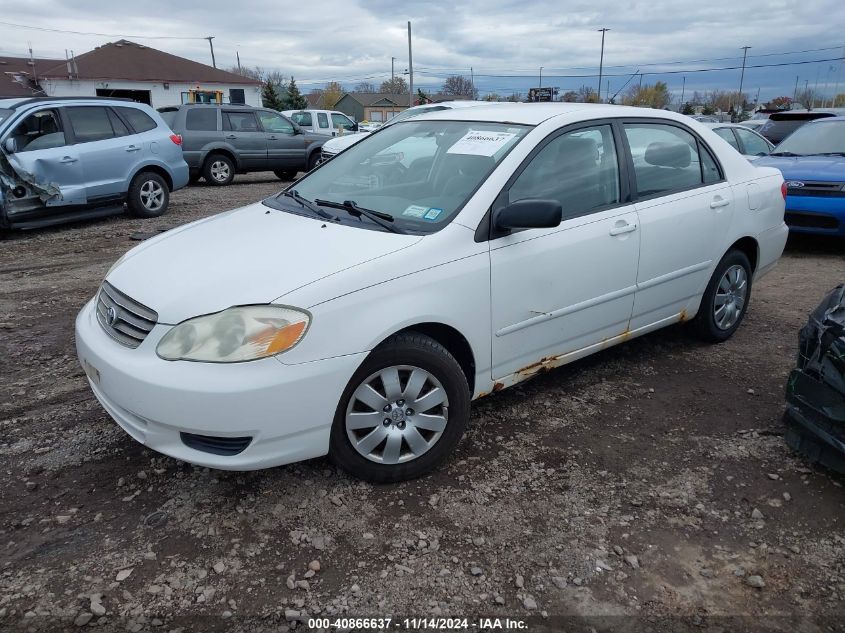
(505, 42)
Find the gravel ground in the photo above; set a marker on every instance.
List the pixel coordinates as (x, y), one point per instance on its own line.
(647, 487)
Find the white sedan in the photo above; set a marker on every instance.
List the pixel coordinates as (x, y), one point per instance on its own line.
(359, 319)
(746, 141)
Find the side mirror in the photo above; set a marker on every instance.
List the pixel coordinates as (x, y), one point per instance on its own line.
(354, 127)
(528, 214)
(10, 145)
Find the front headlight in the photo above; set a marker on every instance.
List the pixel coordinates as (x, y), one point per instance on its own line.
(235, 335)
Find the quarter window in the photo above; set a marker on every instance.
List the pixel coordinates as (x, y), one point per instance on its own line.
(240, 122)
(140, 121)
(666, 159)
(90, 123)
(201, 119)
(578, 168)
(754, 145)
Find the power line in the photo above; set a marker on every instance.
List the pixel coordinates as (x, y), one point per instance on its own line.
(137, 37)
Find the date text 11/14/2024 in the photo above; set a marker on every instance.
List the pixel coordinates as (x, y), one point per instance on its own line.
(418, 624)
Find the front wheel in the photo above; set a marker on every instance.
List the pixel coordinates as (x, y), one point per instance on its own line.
(148, 196)
(313, 161)
(403, 411)
(726, 298)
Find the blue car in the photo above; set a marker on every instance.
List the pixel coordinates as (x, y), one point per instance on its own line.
(812, 161)
(76, 158)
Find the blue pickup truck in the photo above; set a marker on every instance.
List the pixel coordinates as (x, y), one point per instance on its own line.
(812, 161)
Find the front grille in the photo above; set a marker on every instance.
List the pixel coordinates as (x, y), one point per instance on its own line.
(817, 189)
(810, 220)
(324, 155)
(124, 319)
(226, 446)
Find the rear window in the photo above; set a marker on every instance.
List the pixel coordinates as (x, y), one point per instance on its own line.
(140, 121)
(779, 126)
(169, 117)
(204, 119)
(302, 118)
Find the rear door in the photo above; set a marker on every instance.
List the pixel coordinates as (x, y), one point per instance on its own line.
(285, 148)
(46, 160)
(107, 149)
(242, 129)
(685, 206)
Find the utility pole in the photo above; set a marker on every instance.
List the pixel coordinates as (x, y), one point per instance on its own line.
(392, 74)
(238, 55)
(601, 59)
(472, 81)
(211, 45)
(757, 98)
(795, 92)
(806, 84)
(683, 89)
(742, 75)
(541, 77)
(410, 69)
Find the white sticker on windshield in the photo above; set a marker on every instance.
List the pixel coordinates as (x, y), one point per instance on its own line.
(481, 143)
(415, 211)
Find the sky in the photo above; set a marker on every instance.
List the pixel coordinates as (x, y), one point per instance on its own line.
(504, 42)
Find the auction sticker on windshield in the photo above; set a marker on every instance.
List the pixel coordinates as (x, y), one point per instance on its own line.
(415, 211)
(481, 143)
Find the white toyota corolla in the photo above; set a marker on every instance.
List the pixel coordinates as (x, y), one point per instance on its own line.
(359, 312)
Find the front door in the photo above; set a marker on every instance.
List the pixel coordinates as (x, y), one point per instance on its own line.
(285, 148)
(45, 161)
(685, 207)
(242, 131)
(555, 291)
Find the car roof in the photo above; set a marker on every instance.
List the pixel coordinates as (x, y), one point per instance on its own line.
(32, 101)
(536, 113)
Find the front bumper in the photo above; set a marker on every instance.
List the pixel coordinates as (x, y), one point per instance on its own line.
(819, 215)
(287, 410)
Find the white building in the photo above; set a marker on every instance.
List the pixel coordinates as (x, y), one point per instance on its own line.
(138, 72)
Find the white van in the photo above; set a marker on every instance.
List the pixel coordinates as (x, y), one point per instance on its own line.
(328, 122)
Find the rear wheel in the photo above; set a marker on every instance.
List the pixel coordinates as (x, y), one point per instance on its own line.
(219, 170)
(726, 298)
(403, 411)
(285, 174)
(148, 196)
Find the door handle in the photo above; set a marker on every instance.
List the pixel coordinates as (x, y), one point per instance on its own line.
(719, 202)
(68, 160)
(133, 148)
(231, 137)
(625, 228)
(272, 138)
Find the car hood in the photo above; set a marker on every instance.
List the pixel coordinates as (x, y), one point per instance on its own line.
(340, 143)
(247, 256)
(821, 168)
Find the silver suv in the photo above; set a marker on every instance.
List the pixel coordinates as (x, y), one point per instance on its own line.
(223, 140)
(72, 158)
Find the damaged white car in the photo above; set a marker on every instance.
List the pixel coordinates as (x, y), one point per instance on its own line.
(74, 158)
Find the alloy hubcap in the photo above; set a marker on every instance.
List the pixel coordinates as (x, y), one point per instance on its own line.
(397, 414)
(219, 170)
(152, 195)
(731, 294)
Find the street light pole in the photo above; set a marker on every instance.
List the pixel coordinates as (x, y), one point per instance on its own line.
(410, 70)
(601, 59)
(392, 74)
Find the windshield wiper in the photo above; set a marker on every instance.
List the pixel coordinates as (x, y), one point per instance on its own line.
(784, 154)
(830, 154)
(384, 220)
(307, 204)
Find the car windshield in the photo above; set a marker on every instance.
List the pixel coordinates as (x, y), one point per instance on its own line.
(4, 114)
(819, 137)
(421, 173)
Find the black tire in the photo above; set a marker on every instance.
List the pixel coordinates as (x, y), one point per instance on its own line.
(148, 195)
(705, 324)
(218, 170)
(313, 161)
(420, 351)
(285, 174)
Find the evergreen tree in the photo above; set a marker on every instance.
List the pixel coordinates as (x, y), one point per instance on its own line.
(295, 100)
(270, 97)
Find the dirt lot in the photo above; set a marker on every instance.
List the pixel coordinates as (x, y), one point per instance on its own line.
(645, 488)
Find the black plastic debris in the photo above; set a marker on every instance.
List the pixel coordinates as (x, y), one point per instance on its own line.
(815, 391)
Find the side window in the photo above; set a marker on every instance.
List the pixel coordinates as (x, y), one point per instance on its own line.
(273, 122)
(240, 122)
(90, 123)
(322, 119)
(338, 120)
(41, 130)
(728, 134)
(754, 145)
(140, 121)
(117, 124)
(665, 158)
(579, 168)
(303, 119)
(201, 119)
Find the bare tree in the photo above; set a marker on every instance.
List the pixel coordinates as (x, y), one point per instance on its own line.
(515, 97)
(570, 96)
(586, 94)
(365, 86)
(459, 86)
(396, 86)
(332, 94)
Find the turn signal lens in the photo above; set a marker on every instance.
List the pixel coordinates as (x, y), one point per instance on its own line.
(235, 335)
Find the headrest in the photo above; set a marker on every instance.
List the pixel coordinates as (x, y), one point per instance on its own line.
(668, 155)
